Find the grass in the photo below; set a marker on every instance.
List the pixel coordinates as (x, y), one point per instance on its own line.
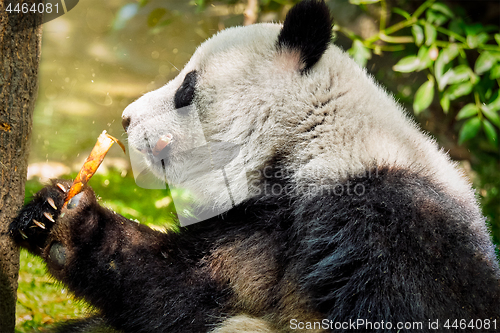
(41, 300)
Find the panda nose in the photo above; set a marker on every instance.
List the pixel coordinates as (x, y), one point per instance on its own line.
(125, 123)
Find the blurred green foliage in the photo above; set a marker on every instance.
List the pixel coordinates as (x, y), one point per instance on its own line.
(461, 60)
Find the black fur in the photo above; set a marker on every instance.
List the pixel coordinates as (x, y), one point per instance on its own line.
(90, 325)
(403, 251)
(307, 29)
(185, 94)
(392, 246)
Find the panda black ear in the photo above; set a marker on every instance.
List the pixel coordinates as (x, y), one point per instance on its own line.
(308, 30)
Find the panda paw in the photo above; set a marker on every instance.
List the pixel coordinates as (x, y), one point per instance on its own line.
(36, 219)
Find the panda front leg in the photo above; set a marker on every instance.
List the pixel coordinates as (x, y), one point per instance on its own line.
(140, 279)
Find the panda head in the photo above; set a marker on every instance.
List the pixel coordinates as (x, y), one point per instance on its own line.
(269, 94)
(240, 90)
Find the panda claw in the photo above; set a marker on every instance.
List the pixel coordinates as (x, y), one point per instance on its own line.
(40, 224)
(52, 203)
(48, 217)
(23, 234)
(61, 187)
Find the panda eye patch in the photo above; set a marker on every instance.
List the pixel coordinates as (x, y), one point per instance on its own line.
(185, 94)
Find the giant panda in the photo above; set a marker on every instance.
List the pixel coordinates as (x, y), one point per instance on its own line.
(348, 217)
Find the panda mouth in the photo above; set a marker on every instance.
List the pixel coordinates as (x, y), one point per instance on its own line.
(161, 144)
(162, 147)
(160, 150)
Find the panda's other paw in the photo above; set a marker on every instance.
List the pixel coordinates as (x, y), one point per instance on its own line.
(34, 222)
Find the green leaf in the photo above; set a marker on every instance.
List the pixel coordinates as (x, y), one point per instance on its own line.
(359, 52)
(469, 130)
(495, 54)
(445, 56)
(490, 132)
(430, 34)
(494, 103)
(483, 38)
(441, 7)
(495, 72)
(457, 90)
(407, 64)
(458, 74)
(424, 57)
(484, 62)
(401, 12)
(451, 51)
(485, 88)
(423, 97)
(445, 103)
(491, 115)
(363, 2)
(467, 111)
(497, 38)
(436, 18)
(418, 34)
(490, 109)
(473, 41)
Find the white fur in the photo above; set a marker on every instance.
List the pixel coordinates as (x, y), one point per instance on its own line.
(250, 94)
(244, 324)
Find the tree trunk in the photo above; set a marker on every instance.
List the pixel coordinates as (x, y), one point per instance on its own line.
(20, 36)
